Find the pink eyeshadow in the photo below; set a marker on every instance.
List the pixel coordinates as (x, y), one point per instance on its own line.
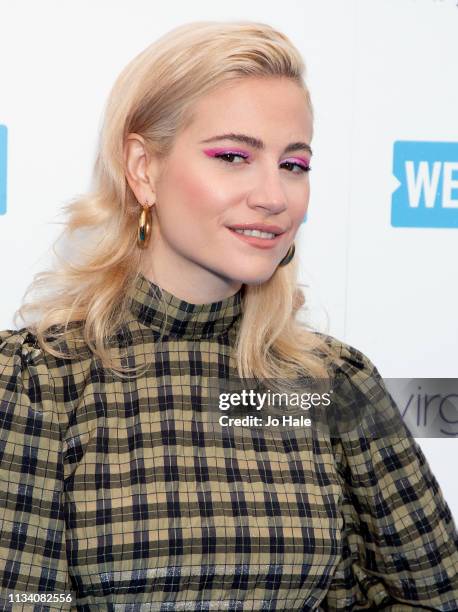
(216, 151)
(302, 160)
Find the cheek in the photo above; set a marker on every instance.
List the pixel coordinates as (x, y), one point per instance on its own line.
(300, 205)
(193, 194)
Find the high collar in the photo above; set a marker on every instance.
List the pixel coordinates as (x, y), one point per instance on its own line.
(178, 318)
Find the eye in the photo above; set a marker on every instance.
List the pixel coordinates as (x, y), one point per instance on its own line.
(302, 169)
(224, 156)
(228, 157)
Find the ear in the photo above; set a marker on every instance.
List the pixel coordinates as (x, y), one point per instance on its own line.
(141, 168)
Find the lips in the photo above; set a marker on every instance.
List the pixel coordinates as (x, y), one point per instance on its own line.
(262, 227)
(260, 243)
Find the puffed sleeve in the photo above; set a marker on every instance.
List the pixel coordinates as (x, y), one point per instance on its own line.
(400, 544)
(32, 525)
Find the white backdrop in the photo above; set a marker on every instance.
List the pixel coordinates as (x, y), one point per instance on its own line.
(379, 71)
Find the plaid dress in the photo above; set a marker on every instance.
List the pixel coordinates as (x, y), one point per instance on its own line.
(116, 494)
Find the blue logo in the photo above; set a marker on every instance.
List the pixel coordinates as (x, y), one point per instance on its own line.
(3, 145)
(428, 193)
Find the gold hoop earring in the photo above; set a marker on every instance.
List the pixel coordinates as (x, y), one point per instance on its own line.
(144, 226)
(289, 255)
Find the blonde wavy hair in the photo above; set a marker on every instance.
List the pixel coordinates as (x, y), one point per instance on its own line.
(154, 97)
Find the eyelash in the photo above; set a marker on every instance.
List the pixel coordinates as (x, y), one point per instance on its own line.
(220, 156)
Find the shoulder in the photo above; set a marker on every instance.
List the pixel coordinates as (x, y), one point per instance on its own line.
(362, 401)
(25, 379)
(347, 358)
(17, 348)
(30, 374)
(360, 386)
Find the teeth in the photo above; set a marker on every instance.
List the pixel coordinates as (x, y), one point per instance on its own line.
(256, 233)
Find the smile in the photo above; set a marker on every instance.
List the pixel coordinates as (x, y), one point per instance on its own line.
(256, 233)
(262, 240)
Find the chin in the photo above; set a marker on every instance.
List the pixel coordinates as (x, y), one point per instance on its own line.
(256, 278)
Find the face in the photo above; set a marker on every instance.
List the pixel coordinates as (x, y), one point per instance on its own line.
(210, 183)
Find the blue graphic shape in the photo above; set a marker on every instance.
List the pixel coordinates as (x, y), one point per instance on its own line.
(3, 157)
(428, 193)
(304, 219)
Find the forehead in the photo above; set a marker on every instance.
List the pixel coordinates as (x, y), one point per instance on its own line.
(259, 106)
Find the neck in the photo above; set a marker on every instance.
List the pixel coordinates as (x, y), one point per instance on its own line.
(169, 316)
(190, 290)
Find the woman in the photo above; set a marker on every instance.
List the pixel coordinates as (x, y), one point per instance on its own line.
(116, 491)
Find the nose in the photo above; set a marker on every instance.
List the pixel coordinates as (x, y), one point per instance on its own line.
(268, 192)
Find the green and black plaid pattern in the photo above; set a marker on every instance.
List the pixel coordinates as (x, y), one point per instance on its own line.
(118, 492)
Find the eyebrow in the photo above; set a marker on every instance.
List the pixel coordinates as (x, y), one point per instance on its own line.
(258, 144)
